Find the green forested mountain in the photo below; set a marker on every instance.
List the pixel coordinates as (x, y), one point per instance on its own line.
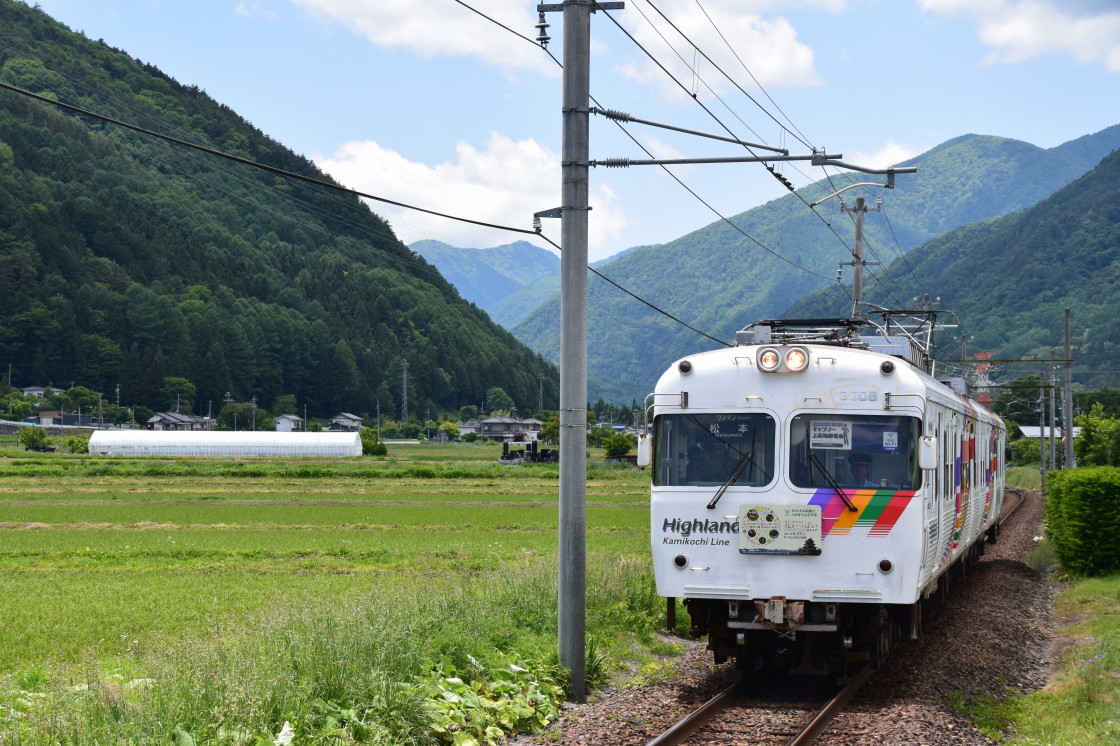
(723, 277)
(505, 281)
(1010, 279)
(124, 259)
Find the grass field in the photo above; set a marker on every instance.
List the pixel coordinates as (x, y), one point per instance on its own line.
(433, 564)
(401, 600)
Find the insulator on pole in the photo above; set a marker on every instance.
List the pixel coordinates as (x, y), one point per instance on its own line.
(543, 38)
(620, 116)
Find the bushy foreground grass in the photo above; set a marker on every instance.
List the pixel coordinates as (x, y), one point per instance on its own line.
(1081, 705)
(457, 659)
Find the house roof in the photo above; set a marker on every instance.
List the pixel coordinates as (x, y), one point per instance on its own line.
(289, 417)
(346, 416)
(182, 419)
(1035, 431)
(511, 421)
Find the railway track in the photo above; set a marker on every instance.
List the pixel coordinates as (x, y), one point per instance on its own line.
(737, 715)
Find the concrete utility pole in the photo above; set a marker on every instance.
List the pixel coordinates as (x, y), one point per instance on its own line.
(573, 331)
(1042, 431)
(1067, 399)
(404, 391)
(572, 617)
(1053, 419)
(857, 262)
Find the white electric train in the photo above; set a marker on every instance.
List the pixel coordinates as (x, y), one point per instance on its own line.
(812, 489)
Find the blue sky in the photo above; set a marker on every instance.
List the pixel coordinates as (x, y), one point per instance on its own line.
(427, 103)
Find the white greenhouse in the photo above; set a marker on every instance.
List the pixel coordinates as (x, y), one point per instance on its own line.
(220, 443)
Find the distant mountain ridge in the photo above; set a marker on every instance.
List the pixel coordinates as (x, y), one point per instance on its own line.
(506, 281)
(1010, 279)
(722, 277)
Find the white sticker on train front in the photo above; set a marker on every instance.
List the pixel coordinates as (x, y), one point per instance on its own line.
(780, 529)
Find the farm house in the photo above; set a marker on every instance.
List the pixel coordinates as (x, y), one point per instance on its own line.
(217, 444)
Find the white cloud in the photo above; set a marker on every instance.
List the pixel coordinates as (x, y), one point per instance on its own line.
(891, 154)
(503, 183)
(766, 45)
(254, 9)
(1017, 30)
(432, 28)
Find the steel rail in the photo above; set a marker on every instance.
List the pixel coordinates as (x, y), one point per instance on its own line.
(698, 718)
(831, 709)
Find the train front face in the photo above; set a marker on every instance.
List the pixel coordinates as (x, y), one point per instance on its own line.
(786, 494)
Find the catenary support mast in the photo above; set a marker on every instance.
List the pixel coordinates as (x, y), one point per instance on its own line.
(573, 333)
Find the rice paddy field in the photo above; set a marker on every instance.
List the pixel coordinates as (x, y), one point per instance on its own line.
(220, 601)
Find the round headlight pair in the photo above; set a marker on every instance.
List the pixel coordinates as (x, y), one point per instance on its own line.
(794, 359)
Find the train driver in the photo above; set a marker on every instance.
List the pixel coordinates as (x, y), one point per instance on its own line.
(860, 464)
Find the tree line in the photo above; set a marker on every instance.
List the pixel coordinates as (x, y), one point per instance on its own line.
(125, 261)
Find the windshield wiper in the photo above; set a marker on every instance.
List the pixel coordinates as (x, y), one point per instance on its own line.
(833, 483)
(742, 464)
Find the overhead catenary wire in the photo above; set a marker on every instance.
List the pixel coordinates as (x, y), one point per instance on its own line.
(794, 132)
(803, 138)
(691, 191)
(827, 223)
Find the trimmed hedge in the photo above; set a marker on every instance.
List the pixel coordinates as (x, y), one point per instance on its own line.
(1083, 518)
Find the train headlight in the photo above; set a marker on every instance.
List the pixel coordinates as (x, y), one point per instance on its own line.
(791, 360)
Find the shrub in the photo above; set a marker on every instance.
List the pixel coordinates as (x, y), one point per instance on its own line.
(371, 444)
(1083, 518)
(1099, 440)
(618, 444)
(1026, 452)
(33, 438)
(77, 444)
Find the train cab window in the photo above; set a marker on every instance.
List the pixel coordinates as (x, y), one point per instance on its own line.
(855, 451)
(708, 450)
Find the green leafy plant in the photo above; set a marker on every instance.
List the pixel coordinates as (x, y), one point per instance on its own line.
(34, 439)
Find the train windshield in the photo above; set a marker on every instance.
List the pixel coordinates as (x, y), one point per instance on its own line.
(855, 451)
(709, 450)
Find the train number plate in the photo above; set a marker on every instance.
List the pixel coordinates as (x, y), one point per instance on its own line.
(780, 529)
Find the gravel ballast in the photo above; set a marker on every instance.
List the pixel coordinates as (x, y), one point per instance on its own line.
(993, 636)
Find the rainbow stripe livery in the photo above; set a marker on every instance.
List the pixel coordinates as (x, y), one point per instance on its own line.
(877, 508)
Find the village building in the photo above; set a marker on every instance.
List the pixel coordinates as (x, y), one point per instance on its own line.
(509, 429)
(289, 423)
(346, 421)
(176, 421)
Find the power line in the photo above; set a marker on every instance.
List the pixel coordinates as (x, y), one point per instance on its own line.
(318, 182)
(378, 230)
(804, 138)
(717, 120)
(712, 62)
(646, 302)
(257, 164)
(692, 192)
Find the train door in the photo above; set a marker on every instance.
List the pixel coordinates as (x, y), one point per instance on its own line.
(931, 502)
